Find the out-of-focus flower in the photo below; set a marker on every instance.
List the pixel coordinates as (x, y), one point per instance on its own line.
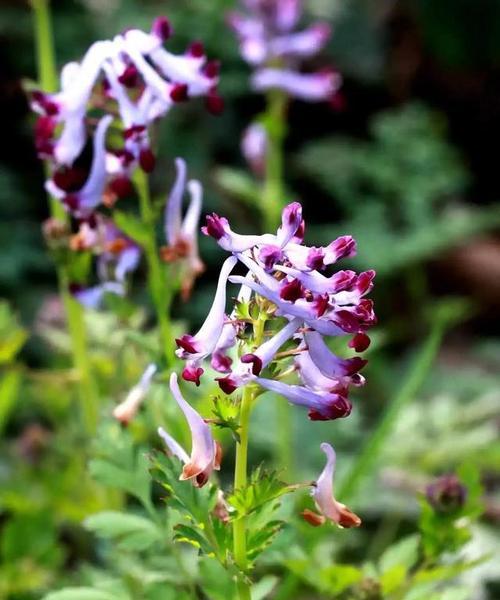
(254, 147)
(270, 42)
(205, 451)
(328, 507)
(182, 234)
(447, 494)
(299, 286)
(132, 75)
(126, 410)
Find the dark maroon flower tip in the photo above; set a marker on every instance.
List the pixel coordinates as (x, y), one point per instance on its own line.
(122, 186)
(292, 291)
(226, 384)
(214, 103)
(447, 494)
(126, 157)
(364, 282)
(214, 227)
(162, 28)
(344, 247)
(133, 131)
(353, 365)
(339, 409)
(321, 304)
(91, 220)
(338, 102)
(359, 342)
(50, 108)
(130, 77)
(70, 179)
(187, 343)
(192, 374)
(255, 361)
(212, 69)
(147, 160)
(71, 202)
(74, 288)
(179, 92)
(196, 49)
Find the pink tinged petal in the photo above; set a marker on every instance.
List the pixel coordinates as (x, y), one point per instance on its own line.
(173, 209)
(91, 193)
(342, 247)
(310, 87)
(291, 219)
(318, 283)
(160, 87)
(193, 213)
(203, 446)
(220, 361)
(207, 337)
(269, 255)
(291, 291)
(303, 44)
(254, 147)
(218, 228)
(323, 494)
(126, 410)
(162, 29)
(324, 359)
(175, 448)
(322, 405)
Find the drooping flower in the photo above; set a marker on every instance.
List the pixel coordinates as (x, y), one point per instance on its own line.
(126, 410)
(322, 492)
(205, 451)
(181, 234)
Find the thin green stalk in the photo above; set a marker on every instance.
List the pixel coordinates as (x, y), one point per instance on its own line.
(47, 75)
(274, 190)
(416, 377)
(240, 481)
(157, 279)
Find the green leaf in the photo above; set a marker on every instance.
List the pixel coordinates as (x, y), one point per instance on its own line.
(393, 578)
(263, 488)
(404, 553)
(337, 578)
(82, 593)
(258, 539)
(131, 226)
(130, 532)
(226, 413)
(239, 184)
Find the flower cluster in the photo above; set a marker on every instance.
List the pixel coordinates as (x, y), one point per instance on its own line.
(270, 42)
(294, 287)
(132, 77)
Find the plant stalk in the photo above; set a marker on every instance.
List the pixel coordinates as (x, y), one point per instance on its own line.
(240, 481)
(47, 75)
(157, 277)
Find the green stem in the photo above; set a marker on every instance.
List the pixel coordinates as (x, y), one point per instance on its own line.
(240, 481)
(273, 191)
(47, 75)
(157, 277)
(416, 377)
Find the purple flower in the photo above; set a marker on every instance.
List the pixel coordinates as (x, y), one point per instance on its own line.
(328, 507)
(269, 41)
(254, 147)
(134, 75)
(205, 451)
